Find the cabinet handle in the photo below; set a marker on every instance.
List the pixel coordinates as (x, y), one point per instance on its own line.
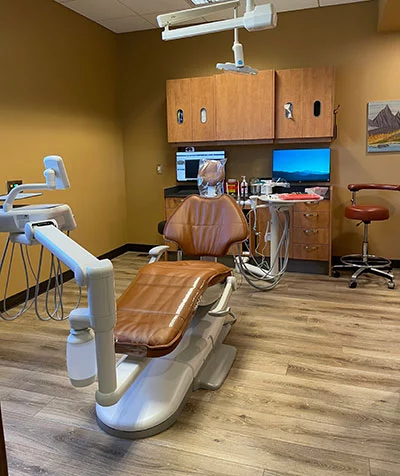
(309, 232)
(314, 203)
(179, 116)
(203, 115)
(311, 248)
(307, 215)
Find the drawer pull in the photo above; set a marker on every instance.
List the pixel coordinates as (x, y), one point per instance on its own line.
(315, 202)
(308, 215)
(311, 248)
(309, 232)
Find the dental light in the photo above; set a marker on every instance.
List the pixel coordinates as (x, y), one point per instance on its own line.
(255, 18)
(238, 66)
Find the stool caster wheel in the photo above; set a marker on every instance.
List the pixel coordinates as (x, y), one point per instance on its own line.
(391, 285)
(352, 284)
(336, 274)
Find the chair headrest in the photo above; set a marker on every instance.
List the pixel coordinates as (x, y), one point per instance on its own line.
(207, 226)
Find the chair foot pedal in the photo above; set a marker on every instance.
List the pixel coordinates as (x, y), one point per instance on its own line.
(216, 368)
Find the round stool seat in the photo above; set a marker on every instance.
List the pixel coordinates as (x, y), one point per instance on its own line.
(366, 213)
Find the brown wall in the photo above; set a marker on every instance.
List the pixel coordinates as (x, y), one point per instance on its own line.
(58, 96)
(367, 69)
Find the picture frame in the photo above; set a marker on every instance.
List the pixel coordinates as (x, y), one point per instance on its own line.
(384, 126)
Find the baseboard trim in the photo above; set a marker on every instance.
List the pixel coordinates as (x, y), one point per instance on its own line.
(19, 298)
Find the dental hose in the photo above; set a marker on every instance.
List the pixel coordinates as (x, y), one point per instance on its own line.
(53, 302)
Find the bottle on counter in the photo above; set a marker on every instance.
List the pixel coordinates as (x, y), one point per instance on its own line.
(232, 188)
(244, 189)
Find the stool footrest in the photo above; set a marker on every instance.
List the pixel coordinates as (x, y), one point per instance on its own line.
(369, 261)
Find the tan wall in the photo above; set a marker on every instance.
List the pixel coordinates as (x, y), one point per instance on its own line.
(367, 69)
(58, 96)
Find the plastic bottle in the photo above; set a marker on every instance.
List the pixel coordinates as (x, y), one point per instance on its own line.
(244, 189)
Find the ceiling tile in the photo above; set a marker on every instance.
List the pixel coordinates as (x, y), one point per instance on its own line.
(144, 7)
(327, 3)
(126, 24)
(289, 5)
(99, 9)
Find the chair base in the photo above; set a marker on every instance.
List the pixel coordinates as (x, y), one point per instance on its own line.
(157, 397)
(360, 264)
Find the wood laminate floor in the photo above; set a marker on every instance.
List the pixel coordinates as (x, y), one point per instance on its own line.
(315, 390)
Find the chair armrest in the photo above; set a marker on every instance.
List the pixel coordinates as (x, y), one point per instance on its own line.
(222, 307)
(355, 187)
(156, 253)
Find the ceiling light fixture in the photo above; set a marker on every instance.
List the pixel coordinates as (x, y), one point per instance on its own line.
(255, 18)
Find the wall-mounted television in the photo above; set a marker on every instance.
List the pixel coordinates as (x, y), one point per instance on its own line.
(302, 165)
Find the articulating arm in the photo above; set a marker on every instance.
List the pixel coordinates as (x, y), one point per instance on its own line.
(98, 276)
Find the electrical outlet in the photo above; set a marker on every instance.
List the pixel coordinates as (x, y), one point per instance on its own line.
(12, 184)
(159, 169)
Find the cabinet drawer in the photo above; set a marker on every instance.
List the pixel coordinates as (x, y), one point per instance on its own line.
(311, 235)
(311, 219)
(311, 252)
(322, 206)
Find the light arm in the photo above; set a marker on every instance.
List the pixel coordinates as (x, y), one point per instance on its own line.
(56, 178)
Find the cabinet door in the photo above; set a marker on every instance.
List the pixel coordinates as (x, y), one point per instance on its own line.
(259, 106)
(289, 84)
(203, 109)
(317, 113)
(179, 118)
(229, 101)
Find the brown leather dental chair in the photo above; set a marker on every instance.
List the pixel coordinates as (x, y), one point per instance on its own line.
(364, 262)
(156, 309)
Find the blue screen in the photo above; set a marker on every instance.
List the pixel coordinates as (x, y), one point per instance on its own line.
(302, 165)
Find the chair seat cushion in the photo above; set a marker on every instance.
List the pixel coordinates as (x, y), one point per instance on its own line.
(156, 309)
(366, 213)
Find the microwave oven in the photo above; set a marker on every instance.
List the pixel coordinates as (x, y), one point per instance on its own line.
(187, 163)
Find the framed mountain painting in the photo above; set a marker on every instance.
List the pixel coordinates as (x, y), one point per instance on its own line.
(384, 126)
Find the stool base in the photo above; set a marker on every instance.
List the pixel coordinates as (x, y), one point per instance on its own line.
(360, 264)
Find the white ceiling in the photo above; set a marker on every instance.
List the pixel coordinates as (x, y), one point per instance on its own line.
(123, 16)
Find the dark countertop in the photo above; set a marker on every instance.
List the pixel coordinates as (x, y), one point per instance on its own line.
(180, 191)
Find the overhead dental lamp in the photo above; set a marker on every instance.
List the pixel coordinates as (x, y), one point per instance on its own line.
(238, 66)
(255, 18)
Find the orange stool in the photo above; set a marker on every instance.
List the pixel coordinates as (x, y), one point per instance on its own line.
(366, 263)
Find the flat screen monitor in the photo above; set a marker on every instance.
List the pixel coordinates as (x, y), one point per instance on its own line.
(302, 165)
(187, 163)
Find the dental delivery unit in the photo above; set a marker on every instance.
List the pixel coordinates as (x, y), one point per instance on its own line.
(169, 324)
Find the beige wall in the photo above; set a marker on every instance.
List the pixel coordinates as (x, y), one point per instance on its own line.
(367, 69)
(58, 96)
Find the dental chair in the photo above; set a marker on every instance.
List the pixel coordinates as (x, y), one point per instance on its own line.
(168, 326)
(166, 318)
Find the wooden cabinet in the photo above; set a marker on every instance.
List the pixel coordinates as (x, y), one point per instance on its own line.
(309, 94)
(234, 107)
(191, 110)
(311, 231)
(245, 106)
(179, 110)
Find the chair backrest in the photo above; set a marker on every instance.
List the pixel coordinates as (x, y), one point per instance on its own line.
(206, 226)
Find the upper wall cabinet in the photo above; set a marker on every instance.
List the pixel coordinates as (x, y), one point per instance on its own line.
(291, 104)
(245, 106)
(191, 110)
(304, 103)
